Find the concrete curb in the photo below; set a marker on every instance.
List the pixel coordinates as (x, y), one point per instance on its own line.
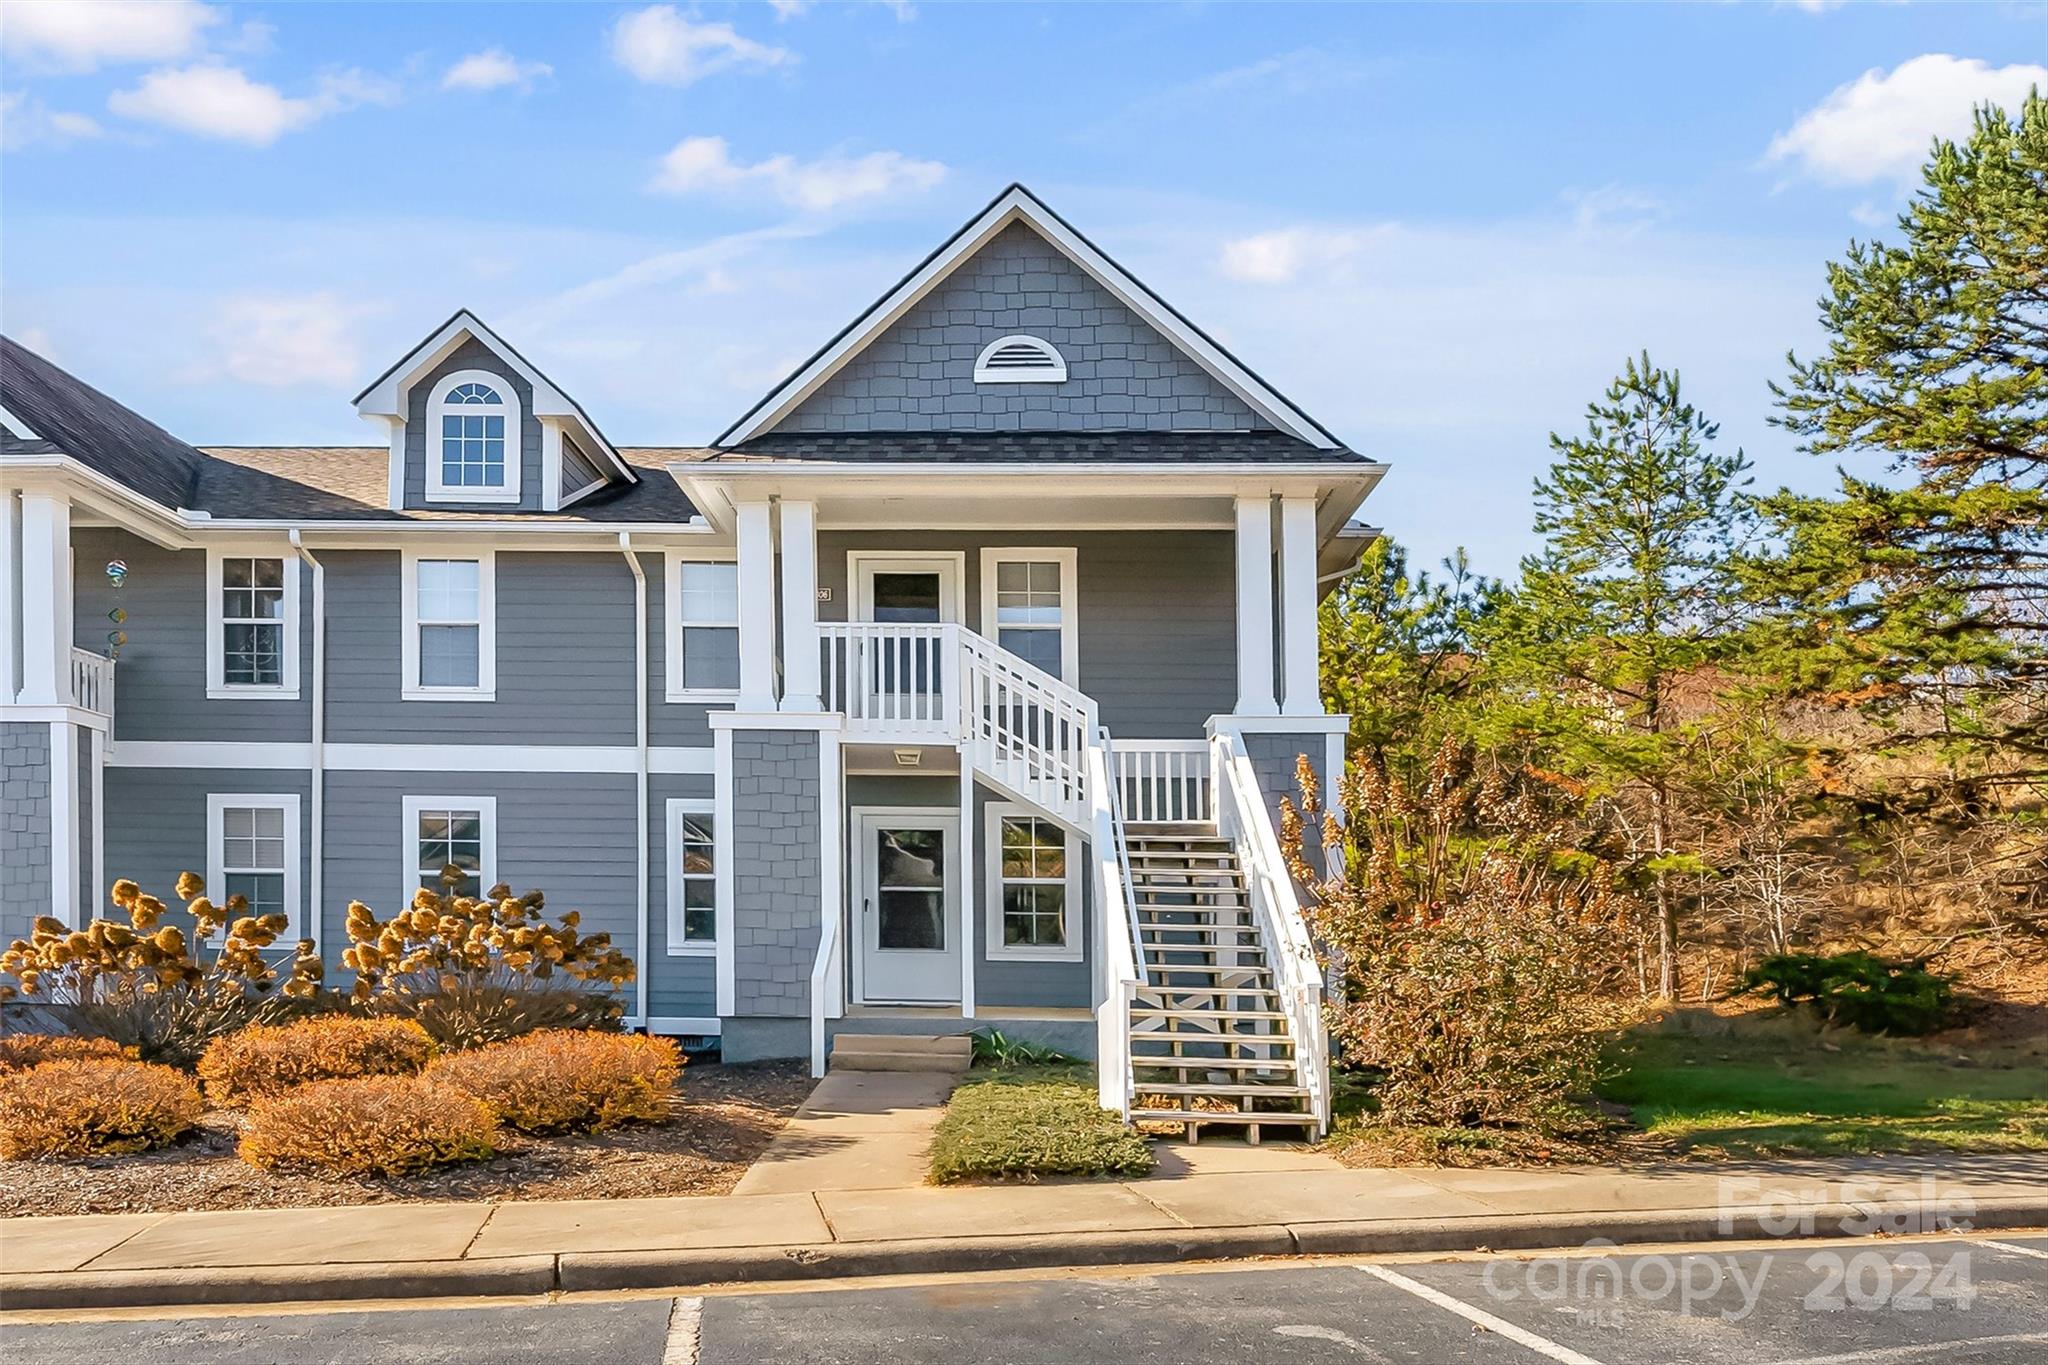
(681, 1269)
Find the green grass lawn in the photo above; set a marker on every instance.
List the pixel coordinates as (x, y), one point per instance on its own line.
(1775, 1085)
(1026, 1122)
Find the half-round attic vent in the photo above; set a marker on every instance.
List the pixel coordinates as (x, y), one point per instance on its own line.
(1020, 360)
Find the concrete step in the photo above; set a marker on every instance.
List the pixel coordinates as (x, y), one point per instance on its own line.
(949, 1053)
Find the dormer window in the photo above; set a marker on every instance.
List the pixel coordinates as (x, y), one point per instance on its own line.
(473, 439)
(1020, 360)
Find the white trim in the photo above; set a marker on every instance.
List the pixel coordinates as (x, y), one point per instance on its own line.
(678, 945)
(99, 813)
(968, 900)
(487, 625)
(514, 413)
(693, 760)
(1070, 598)
(1018, 204)
(410, 807)
(672, 625)
(727, 992)
(1254, 605)
(394, 468)
(951, 566)
(832, 862)
(217, 804)
(15, 427)
(678, 1025)
(801, 648)
(64, 824)
(10, 593)
(1300, 667)
(993, 947)
(218, 688)
(1052, 371)
(46, 598)
(755, 537)
(945, 818)
(550, 464)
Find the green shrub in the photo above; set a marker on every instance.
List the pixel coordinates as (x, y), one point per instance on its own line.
(264, 1061)
(562, 1080)
(992, 1048)
(368, 1125)
(20, 1051)
(1032, 1123)
(1869, 993)
(78, 1107)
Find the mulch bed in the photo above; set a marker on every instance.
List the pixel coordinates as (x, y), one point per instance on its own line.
(721, 1119)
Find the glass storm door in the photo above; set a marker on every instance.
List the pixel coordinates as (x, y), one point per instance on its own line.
(909, 591)
(909, 908)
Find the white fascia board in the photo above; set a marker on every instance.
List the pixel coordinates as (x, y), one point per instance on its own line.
(16, 427)
(1018, 205)
(386, 397)
(89, 488)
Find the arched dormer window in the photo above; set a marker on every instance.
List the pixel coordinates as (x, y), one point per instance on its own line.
(473, 439)
(1020, 360)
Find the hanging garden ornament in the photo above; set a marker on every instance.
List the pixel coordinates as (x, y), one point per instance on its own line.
(115, 639)
(117, 570)
(117, 615)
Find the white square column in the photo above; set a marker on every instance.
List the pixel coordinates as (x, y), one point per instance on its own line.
(45, 600)
(800, 641)
(756, 536)
(1300, 665)
(1255, 605)
(10, 593)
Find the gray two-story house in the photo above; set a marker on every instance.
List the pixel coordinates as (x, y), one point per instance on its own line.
(953, 685)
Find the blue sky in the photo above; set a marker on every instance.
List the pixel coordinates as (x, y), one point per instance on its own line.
(1441, 229)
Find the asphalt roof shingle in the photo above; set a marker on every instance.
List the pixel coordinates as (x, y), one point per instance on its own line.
(92, 428)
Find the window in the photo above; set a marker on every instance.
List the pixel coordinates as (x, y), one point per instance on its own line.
(450, 831)
(703, 629)
(473, 439)
(252, 624)
(450, 646)
(1020, 360)
(1034, 904)
(252, 844)
(693, 896)
(1027, 607)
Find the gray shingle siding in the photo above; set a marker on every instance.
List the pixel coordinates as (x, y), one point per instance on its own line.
(777, 870)
(1273, 759)
(24, 825)
(1121, 373)
(470, 355)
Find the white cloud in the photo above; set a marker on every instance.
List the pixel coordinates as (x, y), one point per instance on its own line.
(26, 121)
(1614, 209)
(704, 164)
(81, 35)
(788, 9)
(1878, 126)
(284, 340)
(1280, 256)
(661, 47)
(492, 68)
(214, 100)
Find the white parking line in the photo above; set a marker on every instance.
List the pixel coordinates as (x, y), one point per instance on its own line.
(1565, 1355)
(1930, 1350)
(2008, 1246)
(685, 1316)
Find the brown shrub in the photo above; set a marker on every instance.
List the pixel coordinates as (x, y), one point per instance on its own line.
(367, 1125)
(20, 1051)
(256, 1062)
(81, 1106)
(567, 1079)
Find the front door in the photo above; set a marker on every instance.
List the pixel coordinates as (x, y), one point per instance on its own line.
(907, 877)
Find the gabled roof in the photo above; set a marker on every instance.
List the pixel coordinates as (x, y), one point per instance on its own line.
(1018, 204)
(384, 396)
(72, 417)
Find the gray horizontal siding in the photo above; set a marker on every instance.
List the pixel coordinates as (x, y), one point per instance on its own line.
(578, 472)
(1158, 614)
(1007, 981)
(564, 654)
(470, 355)
(160, 678)
(156, 829)
(676, 986)
(668, 723)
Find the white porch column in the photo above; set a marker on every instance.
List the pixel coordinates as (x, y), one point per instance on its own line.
(1300, 679)
(10, 593)
(45, 600)
(1255, 605)
(757, 607)
(800, 606)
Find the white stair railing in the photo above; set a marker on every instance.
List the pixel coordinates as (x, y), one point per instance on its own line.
(1117, 956)
(1164, 781)
(1241, 816)
(1026, 729)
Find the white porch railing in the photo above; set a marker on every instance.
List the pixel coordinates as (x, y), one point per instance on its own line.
(1117, 963)
(1164, 781)
(92, 682)
(891, 678)
(1241, 816)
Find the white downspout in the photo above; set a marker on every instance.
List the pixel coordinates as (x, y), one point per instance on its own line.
(317, 773)
(640, 763)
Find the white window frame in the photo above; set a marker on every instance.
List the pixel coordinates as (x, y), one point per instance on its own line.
(218, 688)
(993, 947)
(678, 946)
(217, 806)
(410, 687)
(672, 632)
(1070, 598)
(1053, 373)
(438, 406)
(411, 807)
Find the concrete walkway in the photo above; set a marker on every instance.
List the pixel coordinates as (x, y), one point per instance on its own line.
(859, 1130)
(416, 1250)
